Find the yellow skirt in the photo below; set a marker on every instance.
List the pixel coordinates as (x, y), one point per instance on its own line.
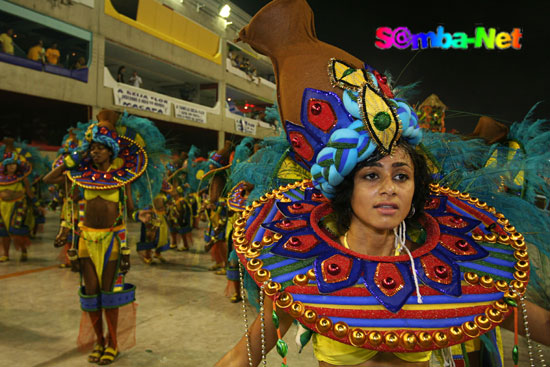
(334, 352)
(100, 245)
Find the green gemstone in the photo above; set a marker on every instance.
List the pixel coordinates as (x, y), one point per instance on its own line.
(511, 302)
(283, 364)
(382, 121)
(275, 320)
(347, 72)
(515, 354)
(282, 348)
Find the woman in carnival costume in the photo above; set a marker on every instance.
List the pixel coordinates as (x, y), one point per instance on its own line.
(70, 198)
(180, 213)
(155, 233)
(117, 151)
(215, 207)
(16, 200)
(380, 265)
(236, 202)
(195, 165)
(175, 176)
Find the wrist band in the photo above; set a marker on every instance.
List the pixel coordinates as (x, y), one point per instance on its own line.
(72, 159)
(135, 215)
(69, 162)
(125, 250)
(72, 254)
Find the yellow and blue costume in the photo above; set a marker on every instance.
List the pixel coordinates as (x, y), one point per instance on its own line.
(16, 216)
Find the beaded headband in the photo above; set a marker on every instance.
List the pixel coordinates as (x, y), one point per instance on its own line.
(339, 133)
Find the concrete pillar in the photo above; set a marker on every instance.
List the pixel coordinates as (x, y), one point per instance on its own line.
(221, 139)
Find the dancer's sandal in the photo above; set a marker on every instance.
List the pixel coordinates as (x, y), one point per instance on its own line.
(108, 356)
(235, 298)
(96, 354)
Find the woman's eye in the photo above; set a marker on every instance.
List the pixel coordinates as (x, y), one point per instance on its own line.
(371, 176)
(401, 177)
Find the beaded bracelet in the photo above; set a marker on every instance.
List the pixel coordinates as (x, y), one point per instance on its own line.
(72, 254)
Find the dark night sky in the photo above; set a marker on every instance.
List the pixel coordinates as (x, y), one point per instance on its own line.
(503, 84)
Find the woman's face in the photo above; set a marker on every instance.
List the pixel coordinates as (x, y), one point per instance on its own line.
(11, 168)
(100, 153)
(383, 192)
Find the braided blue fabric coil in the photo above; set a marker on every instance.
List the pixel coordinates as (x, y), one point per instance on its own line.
(106, 140)
(350, 145)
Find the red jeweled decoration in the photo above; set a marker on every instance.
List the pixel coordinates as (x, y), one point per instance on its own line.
(432, 203)
(452, 221)
(321, 115)
(336, 268)
(316, 108)
(441, 271)
(457, 245)
(290, 225)
(333, 269)
(317, 196)
(388, 283)
(388, 279)
(300, 208)
(301, 244)
(294, 241)
(436, 270)
(301, 146)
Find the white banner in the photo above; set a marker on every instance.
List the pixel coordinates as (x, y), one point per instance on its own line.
(190, 113)
(89, 3)
(245, 126)
(141, 99)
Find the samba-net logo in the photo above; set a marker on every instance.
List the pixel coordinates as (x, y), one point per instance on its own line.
(402, 38)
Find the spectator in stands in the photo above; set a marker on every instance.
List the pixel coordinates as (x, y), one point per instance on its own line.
(37, 52)
(135, 80)
(120, 74)
(52, 54)
(7, 41)
(80, 63)
(233, 56)
(237, 61)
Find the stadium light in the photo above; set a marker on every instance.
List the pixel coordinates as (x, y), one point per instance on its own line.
(225, 11)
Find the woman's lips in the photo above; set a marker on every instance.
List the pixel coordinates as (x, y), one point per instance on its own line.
(386, 208)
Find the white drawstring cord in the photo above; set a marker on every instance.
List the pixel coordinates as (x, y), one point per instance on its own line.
(448, 360)
(399, 243)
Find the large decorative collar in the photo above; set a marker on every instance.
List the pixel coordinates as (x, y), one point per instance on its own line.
(130, 163)
(471, 260)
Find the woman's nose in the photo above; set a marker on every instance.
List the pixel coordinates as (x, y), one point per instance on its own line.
(388, 186)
